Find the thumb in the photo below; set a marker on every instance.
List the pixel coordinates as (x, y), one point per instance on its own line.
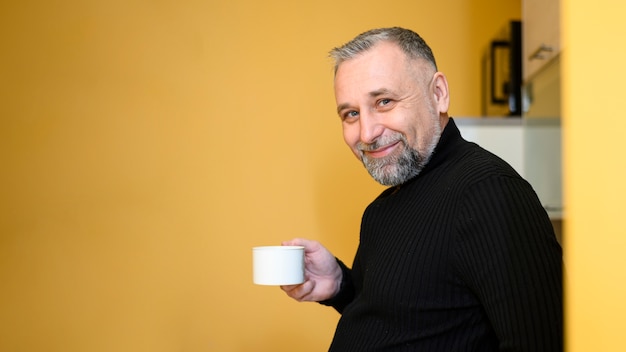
(299, 242)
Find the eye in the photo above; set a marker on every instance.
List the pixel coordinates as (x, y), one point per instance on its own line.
(384, 102)
(350, 115)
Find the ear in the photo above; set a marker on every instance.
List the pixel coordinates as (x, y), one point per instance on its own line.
(441, 92)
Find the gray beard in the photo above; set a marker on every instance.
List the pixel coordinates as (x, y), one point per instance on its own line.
(394, 170)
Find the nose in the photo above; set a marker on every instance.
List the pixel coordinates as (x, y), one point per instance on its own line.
(370, 127)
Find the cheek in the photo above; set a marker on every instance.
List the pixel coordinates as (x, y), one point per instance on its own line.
(419, 127)
(423, 136)
(352, 137)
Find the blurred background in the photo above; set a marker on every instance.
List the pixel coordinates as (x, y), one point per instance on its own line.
(146, 146)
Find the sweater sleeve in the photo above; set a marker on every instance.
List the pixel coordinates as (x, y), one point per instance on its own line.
(346, 291)
(508, 255)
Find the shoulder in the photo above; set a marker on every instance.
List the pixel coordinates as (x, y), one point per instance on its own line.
(465, 162)
(470, 164)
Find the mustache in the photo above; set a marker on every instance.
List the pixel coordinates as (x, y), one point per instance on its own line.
(381, 142)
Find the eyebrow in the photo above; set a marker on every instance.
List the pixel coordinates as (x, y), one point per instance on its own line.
(379, 92)
(341, 107)
(372, 94)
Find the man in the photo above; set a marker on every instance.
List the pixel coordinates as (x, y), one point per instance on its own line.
(457, 254)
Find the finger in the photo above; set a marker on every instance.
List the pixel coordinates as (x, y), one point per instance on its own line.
(299, 292)
(288, 243)
(298, 242)
(294, 291)
(308, 293)
(309, 245)
(288, 288)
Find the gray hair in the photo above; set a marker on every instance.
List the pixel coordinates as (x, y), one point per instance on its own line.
(410, 42)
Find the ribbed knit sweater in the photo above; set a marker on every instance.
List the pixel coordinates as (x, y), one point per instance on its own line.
(462, 257)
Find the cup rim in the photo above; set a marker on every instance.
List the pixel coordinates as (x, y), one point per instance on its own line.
(263, 248)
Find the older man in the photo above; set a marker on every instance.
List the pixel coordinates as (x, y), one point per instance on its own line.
(457, 254)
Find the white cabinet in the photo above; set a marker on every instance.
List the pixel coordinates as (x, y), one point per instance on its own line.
(531, 146)
(541, 34)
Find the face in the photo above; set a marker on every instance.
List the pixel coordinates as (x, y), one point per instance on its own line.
(392, 111)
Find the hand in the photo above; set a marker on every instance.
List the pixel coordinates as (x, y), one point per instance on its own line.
(322, 274)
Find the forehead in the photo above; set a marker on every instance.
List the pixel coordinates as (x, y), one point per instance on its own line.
(383, 67)
(381, 56)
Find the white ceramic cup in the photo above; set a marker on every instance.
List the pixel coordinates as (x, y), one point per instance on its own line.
(278, 265)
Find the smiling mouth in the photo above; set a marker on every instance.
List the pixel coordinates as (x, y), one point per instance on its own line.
(381, 151)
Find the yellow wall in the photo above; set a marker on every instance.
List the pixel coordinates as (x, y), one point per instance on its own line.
(595, 174)
(146, 146)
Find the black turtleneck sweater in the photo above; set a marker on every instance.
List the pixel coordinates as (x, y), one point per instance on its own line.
(462, 257)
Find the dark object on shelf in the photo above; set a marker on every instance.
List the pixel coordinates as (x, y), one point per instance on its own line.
(502, 73)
